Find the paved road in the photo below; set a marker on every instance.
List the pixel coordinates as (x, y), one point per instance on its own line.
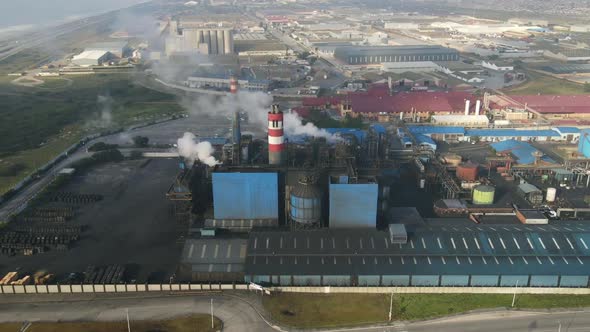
(237, 315)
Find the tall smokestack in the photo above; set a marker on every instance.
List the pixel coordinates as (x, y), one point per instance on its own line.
(467, 104)
(477, 107)
(276, 139)
(233, 84)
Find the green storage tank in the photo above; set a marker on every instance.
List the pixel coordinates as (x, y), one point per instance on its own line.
(483, 195)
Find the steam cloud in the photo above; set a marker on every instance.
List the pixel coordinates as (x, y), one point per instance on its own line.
(192, 151)
(256, 105)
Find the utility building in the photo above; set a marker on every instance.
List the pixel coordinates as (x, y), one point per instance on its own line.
(363, 55)
(353, 204)
(245, 196)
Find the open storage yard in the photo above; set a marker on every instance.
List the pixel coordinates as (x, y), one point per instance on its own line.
(120, 221)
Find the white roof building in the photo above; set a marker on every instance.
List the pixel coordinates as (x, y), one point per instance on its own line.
(91, 58)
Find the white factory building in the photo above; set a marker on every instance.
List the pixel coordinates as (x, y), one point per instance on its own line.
(92, 58)
(471, 121)
(119, 49)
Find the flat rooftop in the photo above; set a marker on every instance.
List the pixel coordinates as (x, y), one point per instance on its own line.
(454, 249)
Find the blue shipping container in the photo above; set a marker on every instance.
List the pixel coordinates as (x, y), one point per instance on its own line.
(245, 196)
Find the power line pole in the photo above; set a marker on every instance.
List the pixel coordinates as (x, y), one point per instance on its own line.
(128, 325)
(390, 305)
(514, 296)
(212, 322)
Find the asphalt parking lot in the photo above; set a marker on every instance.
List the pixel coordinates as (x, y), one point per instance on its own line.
(132, 225)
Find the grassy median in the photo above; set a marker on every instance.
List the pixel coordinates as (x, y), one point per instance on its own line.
(546, 85)
(334, 310)
(181, 324)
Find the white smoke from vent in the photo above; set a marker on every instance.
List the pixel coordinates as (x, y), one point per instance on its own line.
(256, 105)
(293, 126)
(106, 110)
(193, 151)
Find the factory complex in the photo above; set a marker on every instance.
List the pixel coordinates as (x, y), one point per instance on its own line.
(337, 210)
(323, 146)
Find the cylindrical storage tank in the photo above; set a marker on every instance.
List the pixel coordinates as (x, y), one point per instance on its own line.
(452, 160)
(306, 203)
(467, 172)
(483, 195)
(551, 195)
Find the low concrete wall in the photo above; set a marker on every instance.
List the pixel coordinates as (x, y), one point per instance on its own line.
(436, 290)
(128, 288)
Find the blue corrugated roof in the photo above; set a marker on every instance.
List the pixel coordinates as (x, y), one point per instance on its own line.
(436, 130)
(423, 139)
(358, 133)
(521, 150)
(568, 130)
(379, 129)
(511, 133)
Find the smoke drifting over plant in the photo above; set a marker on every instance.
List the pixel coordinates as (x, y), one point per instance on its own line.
(193, 151)
(256, 105)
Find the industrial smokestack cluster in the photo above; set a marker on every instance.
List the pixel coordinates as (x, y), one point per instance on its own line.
(477, 107)
(276, 136)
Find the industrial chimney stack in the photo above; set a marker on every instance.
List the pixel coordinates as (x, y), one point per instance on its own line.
(276, 139)
(467, 105)
(233, 85)
(477, 107)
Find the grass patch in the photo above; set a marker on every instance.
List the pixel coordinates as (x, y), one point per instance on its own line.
(182, 324)
(38, 124)
(546, 85)
(336, 310)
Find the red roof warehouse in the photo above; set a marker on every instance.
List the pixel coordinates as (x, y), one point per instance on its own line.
(376, 102)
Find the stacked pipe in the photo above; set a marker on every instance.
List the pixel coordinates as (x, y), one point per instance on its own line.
(73, 198)
(276, 140)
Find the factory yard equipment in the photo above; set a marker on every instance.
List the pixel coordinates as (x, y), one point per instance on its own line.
(74, 198)
(112, 274)
(8, 278)
(531, 193)
(551, 195)
(467, 171)
(483, 195)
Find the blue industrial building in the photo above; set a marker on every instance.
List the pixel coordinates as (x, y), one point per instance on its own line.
(352, 204)
(522, 151)
(584, 144)
(245, 196)
(434, 255)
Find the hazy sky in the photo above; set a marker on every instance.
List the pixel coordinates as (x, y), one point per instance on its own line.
(32, 12)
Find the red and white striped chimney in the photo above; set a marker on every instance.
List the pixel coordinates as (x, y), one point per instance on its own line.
(276, 138)
(233, 84)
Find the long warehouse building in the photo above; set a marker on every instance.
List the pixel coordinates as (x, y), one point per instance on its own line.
(431, 255)
(362, 55)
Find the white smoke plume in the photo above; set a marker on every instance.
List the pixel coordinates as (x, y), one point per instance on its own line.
(256, 105)
(192, 151)
(106, 110)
